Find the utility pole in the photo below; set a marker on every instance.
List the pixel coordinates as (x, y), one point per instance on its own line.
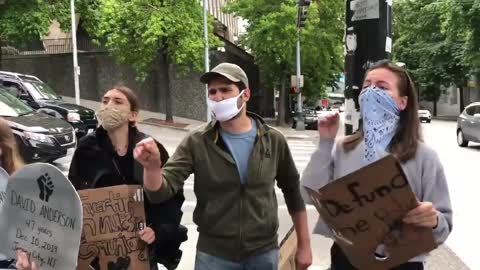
(207, 57)
(368, 39)
(76, 68)
(301, 21)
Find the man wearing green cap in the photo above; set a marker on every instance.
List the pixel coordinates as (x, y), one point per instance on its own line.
(236, 160)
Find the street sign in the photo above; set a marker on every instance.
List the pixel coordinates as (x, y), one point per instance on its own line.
(325, 102)
(293, 81)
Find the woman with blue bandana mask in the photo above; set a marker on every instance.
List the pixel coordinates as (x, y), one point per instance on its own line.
(390, 125)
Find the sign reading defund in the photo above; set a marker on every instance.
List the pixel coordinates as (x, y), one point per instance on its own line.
(365, 211)
(112, 218)
(42, 215)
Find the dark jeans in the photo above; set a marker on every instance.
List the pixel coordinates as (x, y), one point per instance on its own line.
(265, 261)
(340, 261)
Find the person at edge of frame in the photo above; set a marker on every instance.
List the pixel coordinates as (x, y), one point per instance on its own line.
(390, 125)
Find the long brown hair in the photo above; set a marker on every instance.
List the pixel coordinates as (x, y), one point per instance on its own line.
(10, 158)
(405, 142)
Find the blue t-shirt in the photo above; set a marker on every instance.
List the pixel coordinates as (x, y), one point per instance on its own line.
(241, 146)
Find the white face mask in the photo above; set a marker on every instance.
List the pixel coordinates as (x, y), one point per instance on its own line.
(226, 109)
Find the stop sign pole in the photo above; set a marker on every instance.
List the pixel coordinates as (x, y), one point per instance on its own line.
(368, 39)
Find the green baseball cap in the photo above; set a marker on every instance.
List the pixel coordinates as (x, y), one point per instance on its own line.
(228, 70)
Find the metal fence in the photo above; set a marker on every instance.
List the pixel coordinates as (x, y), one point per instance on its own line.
(55, 46)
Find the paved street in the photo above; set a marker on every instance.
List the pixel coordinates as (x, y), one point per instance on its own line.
(459, 168)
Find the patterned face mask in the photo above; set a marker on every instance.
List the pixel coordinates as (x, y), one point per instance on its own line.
(380, 115)
(112, 118)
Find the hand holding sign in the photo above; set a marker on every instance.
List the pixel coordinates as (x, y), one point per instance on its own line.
(147, 235)
(23, 262)
(42, 215)
(424, 215)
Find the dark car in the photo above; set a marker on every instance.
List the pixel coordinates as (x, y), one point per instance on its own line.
(468, 125)
(310, 118)
(40, 137)
(42, 98)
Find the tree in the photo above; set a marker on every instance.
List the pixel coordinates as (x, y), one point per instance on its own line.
(272, 34)
(323, 41)
(149, 34)
(22, 21)
(434, 60)
(460, 21)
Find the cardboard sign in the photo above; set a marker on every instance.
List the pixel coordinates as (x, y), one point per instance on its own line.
(42, 215)
(365, 211)
(288, 249)
(112, 218)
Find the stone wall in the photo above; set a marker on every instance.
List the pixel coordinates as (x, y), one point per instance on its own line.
(100, 71)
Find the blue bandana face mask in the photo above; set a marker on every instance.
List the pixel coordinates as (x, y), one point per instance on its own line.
(380, 115)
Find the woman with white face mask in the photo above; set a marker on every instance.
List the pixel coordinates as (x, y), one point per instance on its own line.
(390, 125)
(105, 158)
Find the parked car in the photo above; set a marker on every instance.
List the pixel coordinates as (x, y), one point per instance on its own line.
(40, 137)
(468, 125)
(425, 116)
(42, 98)
(310, 118)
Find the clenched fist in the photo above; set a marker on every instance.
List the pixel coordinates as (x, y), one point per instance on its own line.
(146, 153)
(328, 126)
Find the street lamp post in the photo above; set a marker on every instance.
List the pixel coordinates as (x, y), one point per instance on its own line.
(207, 57)
(76, 68)
(300, 121)
(301, 20)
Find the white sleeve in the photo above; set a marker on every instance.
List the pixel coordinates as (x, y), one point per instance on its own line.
(319, 171)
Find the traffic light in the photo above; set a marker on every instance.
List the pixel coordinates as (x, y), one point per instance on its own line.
(302, 17)
(302, 12)
(304, 3)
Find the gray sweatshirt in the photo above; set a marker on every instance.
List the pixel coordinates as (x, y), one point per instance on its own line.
(424, 173)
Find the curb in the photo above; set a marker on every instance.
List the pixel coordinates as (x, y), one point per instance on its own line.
(186, 129)
(445, 118)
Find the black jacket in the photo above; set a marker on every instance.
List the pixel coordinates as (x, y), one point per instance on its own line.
(94, 165)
